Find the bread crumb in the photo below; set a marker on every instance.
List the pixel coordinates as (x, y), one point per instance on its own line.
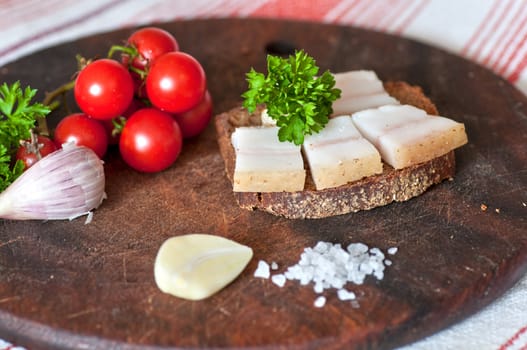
(483, 207)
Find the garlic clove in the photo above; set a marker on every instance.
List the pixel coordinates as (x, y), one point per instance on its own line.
(195, 266)
(63, 185)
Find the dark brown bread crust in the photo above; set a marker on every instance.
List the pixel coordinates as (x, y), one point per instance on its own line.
(410, 95)
(373, 191)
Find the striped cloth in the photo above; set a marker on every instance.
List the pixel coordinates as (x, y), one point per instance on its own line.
(490, 32)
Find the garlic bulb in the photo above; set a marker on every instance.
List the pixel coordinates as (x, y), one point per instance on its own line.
(65, 184)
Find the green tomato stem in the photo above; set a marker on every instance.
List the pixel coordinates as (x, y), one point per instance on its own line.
(127, 50)
(50, 100)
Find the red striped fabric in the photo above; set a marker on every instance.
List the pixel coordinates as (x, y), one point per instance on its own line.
(486, 29)
(60, 26)
(515, 340)
(304, 10)
(498, 41)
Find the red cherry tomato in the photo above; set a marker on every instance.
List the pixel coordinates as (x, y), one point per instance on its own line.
(176, 82)
(151, 140)
(104, 89)
(194, 121)
(31, 152)
(151, 43)
(84, 131)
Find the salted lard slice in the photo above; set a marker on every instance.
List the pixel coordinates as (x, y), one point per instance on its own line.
(338, 154)
(360, 89)
(264, 164)
(406, 135)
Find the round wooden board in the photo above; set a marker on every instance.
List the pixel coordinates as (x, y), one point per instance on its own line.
(67, 285)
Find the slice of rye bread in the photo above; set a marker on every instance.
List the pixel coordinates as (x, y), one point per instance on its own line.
(367, 193)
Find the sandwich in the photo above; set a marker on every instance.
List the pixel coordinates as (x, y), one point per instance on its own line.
(382, 142)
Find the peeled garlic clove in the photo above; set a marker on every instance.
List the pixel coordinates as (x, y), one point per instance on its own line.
(195, 266)
(64, 184)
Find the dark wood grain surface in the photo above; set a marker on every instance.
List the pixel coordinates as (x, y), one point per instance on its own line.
(67, 285)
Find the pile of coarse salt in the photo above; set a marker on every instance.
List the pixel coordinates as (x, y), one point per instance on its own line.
(329, 266)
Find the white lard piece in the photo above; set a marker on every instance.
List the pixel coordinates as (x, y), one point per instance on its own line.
(406, 135)
(338, 154)
(360, 89)
(264, 164)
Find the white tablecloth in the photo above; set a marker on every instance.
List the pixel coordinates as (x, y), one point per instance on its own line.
(490, 32)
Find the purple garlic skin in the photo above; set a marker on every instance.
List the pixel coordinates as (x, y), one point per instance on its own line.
(65, 184)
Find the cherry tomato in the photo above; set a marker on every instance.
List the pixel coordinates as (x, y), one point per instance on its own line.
(176, 82)
(84, 131)
(31, 151)
(150, 141)
(194, 121)
(104, 89)
(151, 43)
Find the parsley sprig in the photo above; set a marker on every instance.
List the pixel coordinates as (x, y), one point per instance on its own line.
(295, 97)
(17, 117)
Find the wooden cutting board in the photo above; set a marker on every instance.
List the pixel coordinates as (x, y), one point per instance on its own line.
(67, 285)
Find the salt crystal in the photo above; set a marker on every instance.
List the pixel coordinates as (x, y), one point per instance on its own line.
(279, 280)
(341, 255)
(344, 294)
(262, 271)
(376, 265)
(321, 247)
(304, 259)
(356, 277)
(293, 272)
(274, 266)
(319, 287)
(304, 280)
(392, 250)
(357, 249)
(366, 267)
(320, 301)
(377, 252)
(337, 282)
(328, 265)
(379, 274)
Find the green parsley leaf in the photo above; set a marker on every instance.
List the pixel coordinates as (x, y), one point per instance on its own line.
(17, 117)
(298, 99)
